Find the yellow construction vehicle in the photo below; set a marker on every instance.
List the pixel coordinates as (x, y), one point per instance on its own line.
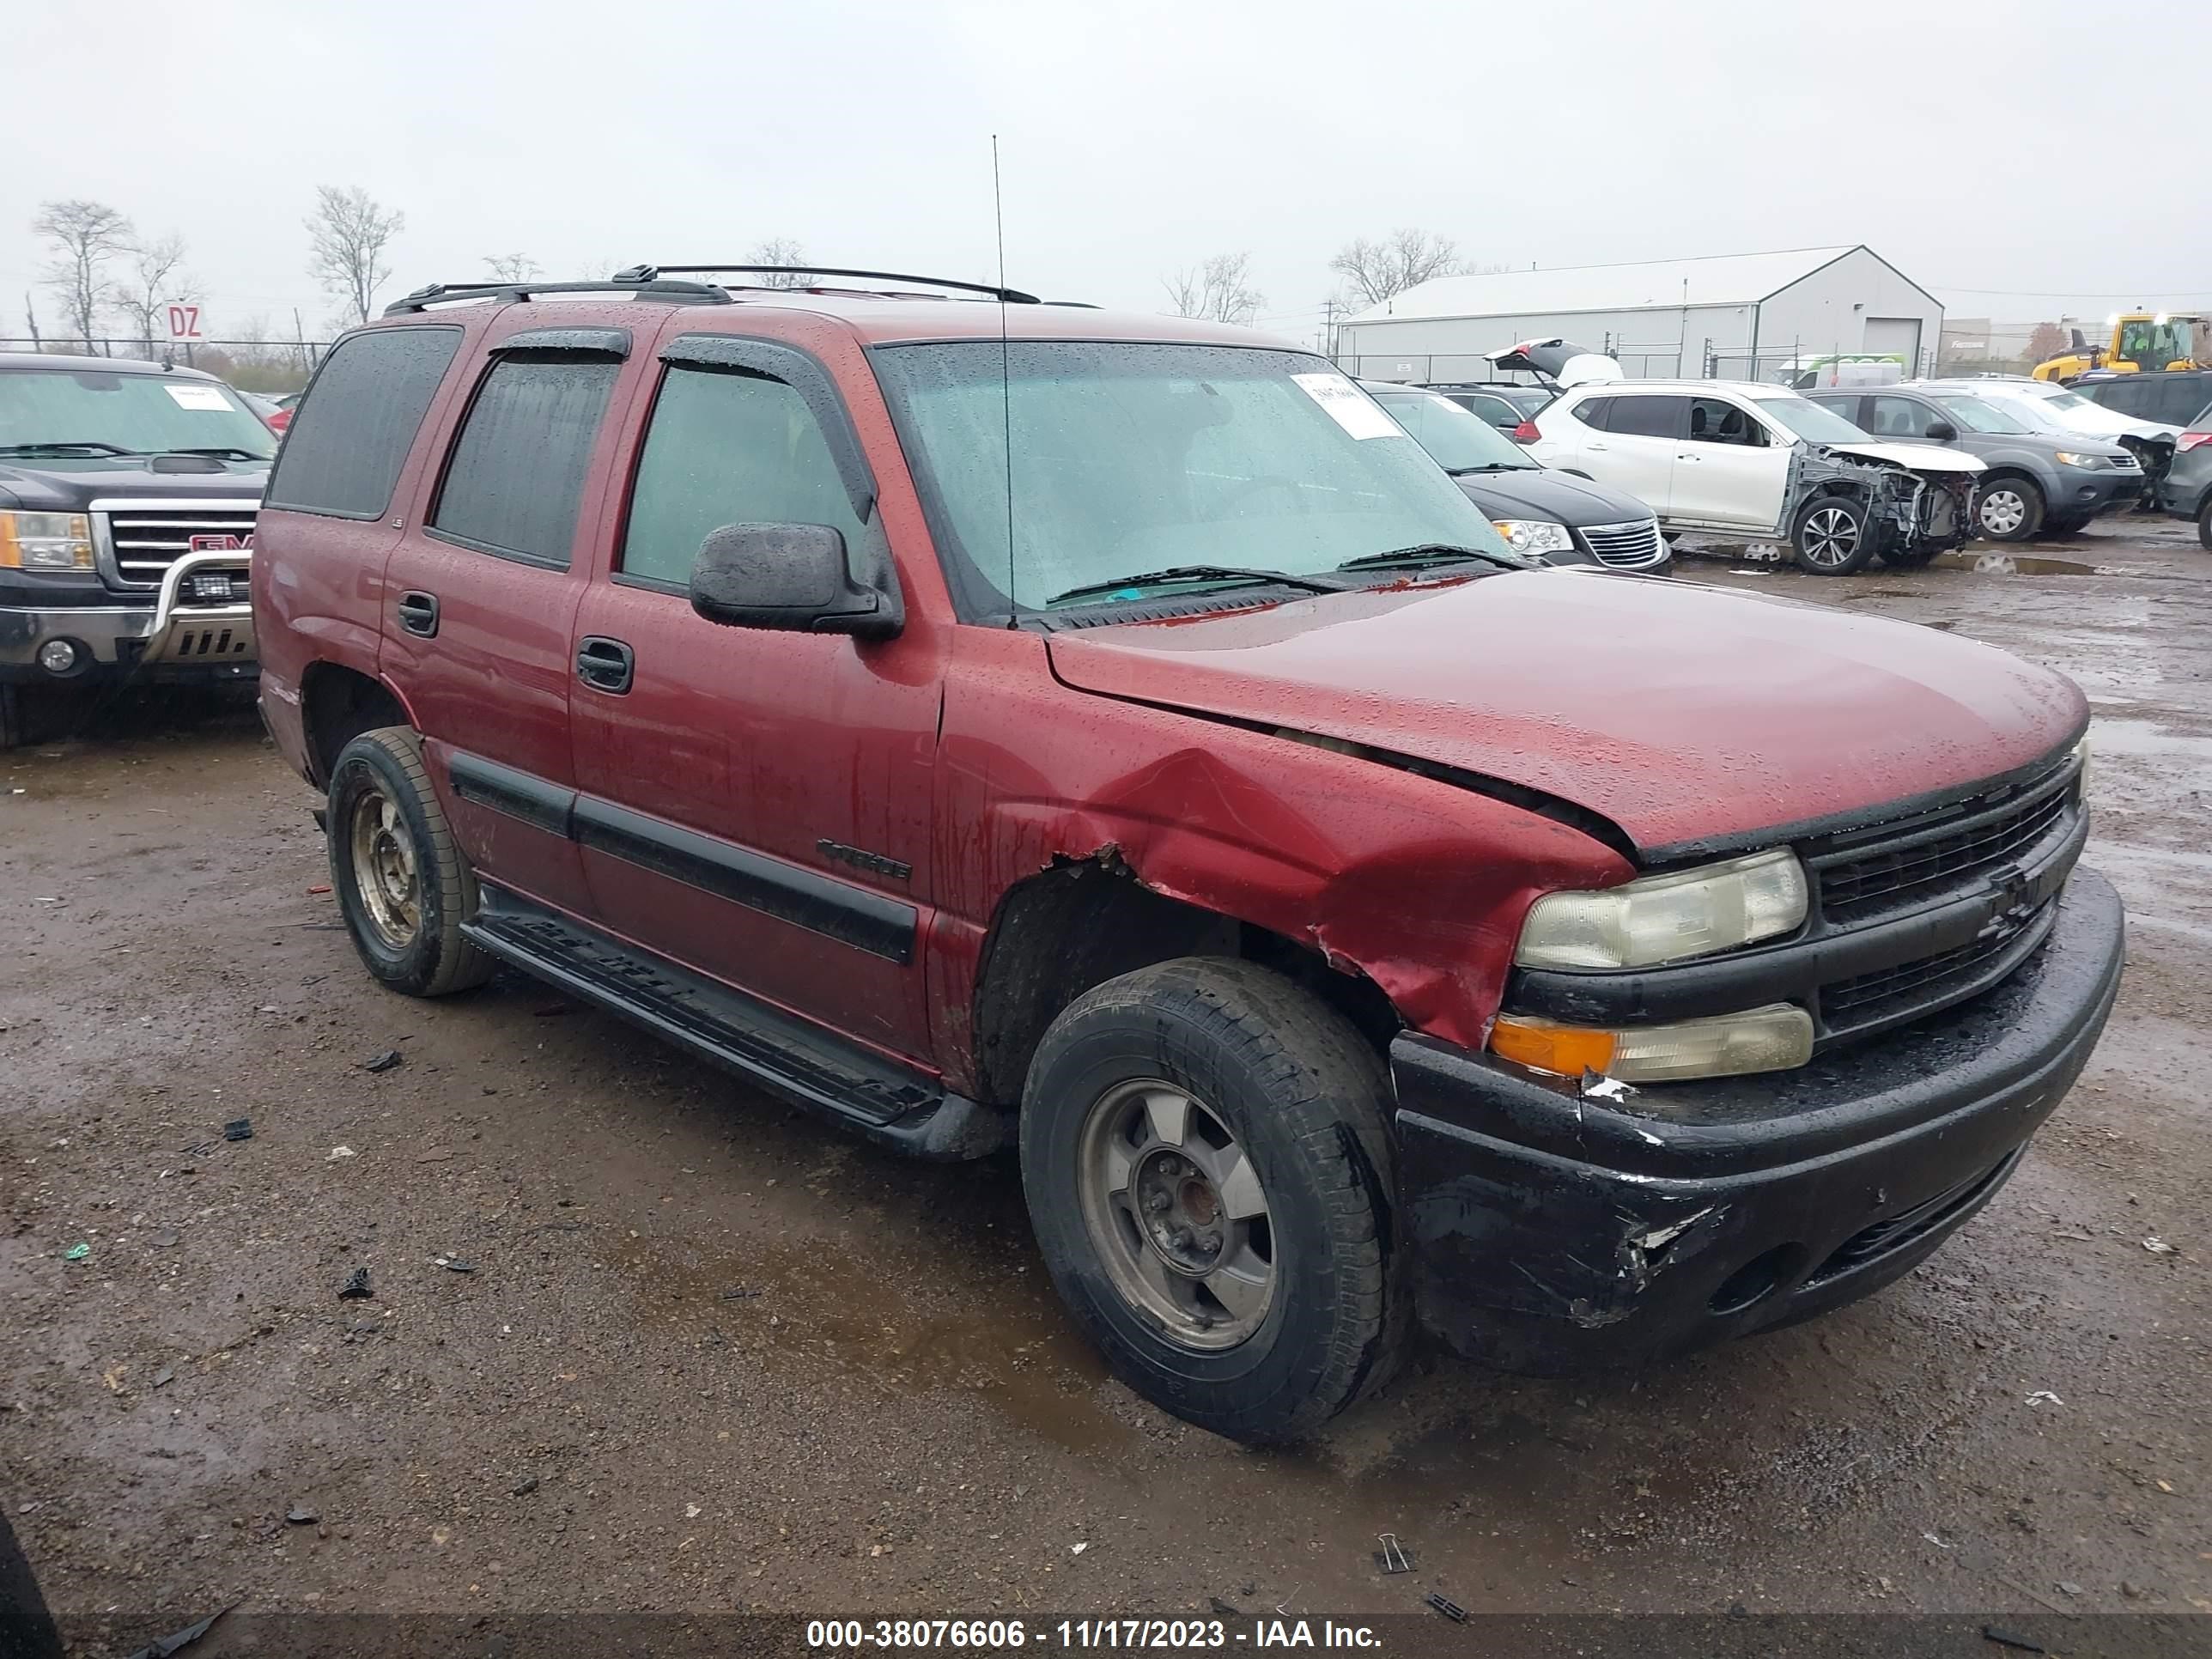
(2140, 340)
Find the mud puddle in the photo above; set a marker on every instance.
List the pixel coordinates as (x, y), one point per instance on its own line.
(2016, 564)
(816, 1303)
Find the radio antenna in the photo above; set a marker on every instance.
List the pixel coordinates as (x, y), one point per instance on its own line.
(1006, 374)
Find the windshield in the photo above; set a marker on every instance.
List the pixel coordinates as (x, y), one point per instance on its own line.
(1972, 415)
(2029, 411)
(1128, 458)
(1461, 440)
(2154, 344)
(1811, 422)
(144, 414)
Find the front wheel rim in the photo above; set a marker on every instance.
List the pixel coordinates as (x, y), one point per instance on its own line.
(386, 872)
(1176, 1215)
(2003, 513)
(1831, 536)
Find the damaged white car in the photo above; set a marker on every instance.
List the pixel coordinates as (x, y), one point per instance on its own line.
(1735, 457)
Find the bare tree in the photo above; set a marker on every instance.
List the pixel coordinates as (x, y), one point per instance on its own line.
(1375, 271)
(2045, 341)
(780, 250)
(1219, 290)
(349, 233)
(511, 267)
(157, 281)
(85, 236)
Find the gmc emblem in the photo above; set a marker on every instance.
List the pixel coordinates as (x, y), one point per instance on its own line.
(224, 542)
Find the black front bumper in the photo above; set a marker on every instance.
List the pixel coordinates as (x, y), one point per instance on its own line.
(1550, 1231)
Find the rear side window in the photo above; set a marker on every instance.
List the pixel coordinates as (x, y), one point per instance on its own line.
(1650, 417)
(347, 443)
(727, 446)
(517, 470)
(1597, 413)
(2182, 398)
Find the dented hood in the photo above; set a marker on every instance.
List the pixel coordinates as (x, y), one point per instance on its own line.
(1921, 457)
(1690, 717)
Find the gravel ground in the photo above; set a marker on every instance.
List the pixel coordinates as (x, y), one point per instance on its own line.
(642, 1341)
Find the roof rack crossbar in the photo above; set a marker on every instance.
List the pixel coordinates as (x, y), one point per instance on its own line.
(651, 273)
(694, 294)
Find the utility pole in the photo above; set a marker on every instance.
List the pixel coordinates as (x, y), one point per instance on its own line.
(31, 316)
(300, 335)
(1329, 310)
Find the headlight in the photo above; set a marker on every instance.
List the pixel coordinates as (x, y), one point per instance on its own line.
(45, 541)
(1774, 1038)
(1691, 912)
(1534, 535)
(2068, 458)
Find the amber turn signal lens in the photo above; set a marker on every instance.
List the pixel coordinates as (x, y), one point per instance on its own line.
(1569, 1050)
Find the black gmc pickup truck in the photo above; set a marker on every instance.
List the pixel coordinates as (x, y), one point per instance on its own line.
(128, 493)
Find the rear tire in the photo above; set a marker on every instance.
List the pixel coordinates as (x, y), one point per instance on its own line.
(2204, 524)
(402, 884)
(1831, 537)
(1204, 1153)
(2009, 509)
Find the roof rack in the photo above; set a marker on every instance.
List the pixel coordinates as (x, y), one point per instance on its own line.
(652, 274)
(682, 294)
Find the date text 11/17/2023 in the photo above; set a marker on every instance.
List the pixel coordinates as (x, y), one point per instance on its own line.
(995, 1635)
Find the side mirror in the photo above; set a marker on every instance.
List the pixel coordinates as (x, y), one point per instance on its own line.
(790, 577)
(1941, 432)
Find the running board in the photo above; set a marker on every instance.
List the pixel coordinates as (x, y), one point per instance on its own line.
(893, 1105)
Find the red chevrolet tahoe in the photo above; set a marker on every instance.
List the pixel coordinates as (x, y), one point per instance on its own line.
(990, 723)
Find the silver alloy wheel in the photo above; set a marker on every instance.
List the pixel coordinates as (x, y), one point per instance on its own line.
(1831, 536)
(384, 868)
(2004, 511)
(1176, 1215)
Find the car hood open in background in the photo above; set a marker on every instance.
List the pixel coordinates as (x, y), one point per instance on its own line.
(1686, 715)
(1558, 363)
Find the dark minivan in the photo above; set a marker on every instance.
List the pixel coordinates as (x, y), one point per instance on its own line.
(1569, 521)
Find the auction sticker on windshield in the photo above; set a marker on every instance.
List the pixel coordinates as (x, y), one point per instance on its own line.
(1348, 406)
(199, 397)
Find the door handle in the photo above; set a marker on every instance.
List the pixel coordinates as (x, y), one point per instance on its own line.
(1689, 458)
(1598, 447)
(418, 614)
(605, 664)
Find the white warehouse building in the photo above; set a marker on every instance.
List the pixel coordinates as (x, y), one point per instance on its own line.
(1734, 317)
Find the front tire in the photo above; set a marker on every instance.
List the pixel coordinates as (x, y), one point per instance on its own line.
(1207, 1170)
(1831, 537)
(2204, 524)
(402, 884)
(2009, 510)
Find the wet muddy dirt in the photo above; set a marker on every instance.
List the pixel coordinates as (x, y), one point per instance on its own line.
(710, 1355)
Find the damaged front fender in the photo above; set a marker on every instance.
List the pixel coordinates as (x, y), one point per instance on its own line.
(1415, 883)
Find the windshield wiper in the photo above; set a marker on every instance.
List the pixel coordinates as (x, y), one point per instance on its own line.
(222, 452)
(93, 444)
(1427, 553)
(1491, 466)
(1198, 573)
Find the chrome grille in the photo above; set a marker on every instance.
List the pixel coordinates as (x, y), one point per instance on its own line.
(1626, 544)
(146, 539)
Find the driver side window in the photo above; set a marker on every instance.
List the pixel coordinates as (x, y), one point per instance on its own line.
(1717, 421)
(726, 446)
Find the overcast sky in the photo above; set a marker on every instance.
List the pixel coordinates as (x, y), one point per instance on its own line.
(2028, 149)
